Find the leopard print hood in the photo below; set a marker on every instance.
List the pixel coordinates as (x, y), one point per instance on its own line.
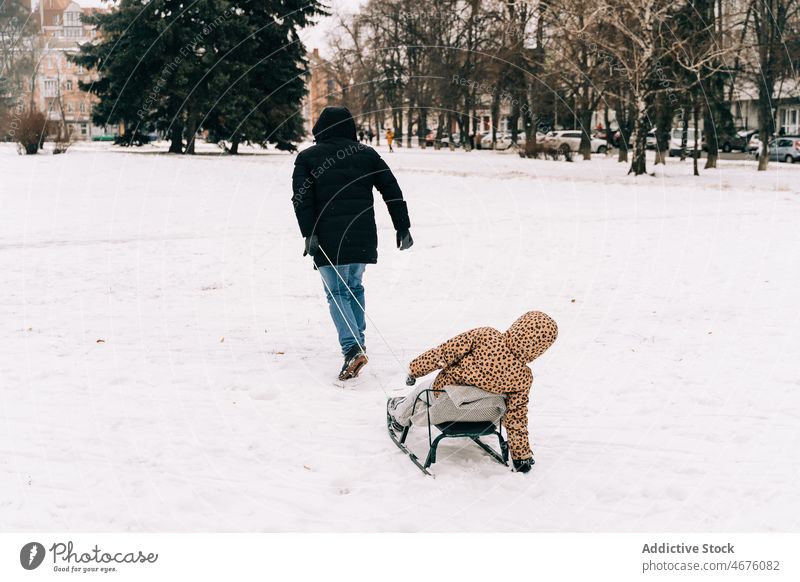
(531, 335)
(496, 362)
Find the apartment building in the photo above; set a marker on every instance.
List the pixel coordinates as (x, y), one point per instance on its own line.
(57, 93)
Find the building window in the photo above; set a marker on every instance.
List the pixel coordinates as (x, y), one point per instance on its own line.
(83, 107)
(69, 107)
(72, 18)
(50, 87)
(80, 69)
(69, 85)
(790, 121)
(84, 129)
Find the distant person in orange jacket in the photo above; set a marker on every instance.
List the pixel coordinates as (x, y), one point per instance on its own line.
(390, 138)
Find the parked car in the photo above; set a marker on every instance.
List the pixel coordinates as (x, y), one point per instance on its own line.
(104, 137)
(676, 139)
(455, 137)
(522, 140)
(747, 135)
(650, 140)
(504, 140)
(729, 142)
(570, 141)
(479, 138)
(784, 149)
(486, 140)
(754, 145)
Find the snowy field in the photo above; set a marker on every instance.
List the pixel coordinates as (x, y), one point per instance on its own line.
(168, 362)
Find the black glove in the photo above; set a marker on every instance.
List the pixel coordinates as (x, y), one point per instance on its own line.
(523, 466)
(404, 240)
(312, 245)
(410, 380)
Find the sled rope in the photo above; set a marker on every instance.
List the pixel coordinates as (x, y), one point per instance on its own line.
(391, 351)
(352, 332)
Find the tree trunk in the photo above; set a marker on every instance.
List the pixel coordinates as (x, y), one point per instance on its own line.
(639, 164)
(663, 130)
(176, 138)
(463, 130)
(450, 131)
(514, 121)
(684, 136)
(763, 155)
(711, 159)
(626, 116)
(711, 127)
(234, 149)
(398, 126)
(191, 132)
(765, 122)
(696, 141)
(409, 125)
(495, 117)
(437, 142)
(585, 148)
(474, 125)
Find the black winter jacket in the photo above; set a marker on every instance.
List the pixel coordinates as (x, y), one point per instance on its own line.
(332, 191)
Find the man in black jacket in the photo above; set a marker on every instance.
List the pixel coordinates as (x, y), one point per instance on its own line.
(333, 200)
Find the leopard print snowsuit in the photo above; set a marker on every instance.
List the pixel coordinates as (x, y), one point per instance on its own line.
(495, 362)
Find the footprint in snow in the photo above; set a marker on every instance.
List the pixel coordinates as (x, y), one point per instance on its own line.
(264, 395)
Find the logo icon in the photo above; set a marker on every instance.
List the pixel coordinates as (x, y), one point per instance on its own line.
(31, 555)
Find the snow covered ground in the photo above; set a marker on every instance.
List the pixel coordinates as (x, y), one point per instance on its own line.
(168, 362)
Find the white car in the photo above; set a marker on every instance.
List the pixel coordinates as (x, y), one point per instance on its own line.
(570, 141)
(503, 140)
(676, 139)
(486, 140)
(650, 140)
(754, 145)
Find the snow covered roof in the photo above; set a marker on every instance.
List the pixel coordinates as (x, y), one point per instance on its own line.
(748, 91)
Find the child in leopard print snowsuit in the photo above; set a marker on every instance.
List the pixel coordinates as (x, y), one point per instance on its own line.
(496, 362)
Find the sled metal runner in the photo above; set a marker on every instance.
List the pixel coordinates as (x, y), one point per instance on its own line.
(471, 430)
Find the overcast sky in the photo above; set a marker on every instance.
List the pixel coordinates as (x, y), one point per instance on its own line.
(313, 37)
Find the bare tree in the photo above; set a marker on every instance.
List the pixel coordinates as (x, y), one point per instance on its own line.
(582, 67)
(697, 61)
(629, 42)
(772, 22)
(62, 132)
(20, 53)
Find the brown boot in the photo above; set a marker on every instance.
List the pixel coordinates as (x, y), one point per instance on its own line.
(353, 362)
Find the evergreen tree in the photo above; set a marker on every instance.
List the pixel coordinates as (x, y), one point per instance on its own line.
(234, 67)
(259, 78)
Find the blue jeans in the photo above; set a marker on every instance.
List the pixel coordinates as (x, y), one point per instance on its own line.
(345, 295)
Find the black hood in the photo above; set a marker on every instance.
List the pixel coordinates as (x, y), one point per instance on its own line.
(335, 122)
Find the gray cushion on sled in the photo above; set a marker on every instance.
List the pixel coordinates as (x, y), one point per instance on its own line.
(462, 404)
